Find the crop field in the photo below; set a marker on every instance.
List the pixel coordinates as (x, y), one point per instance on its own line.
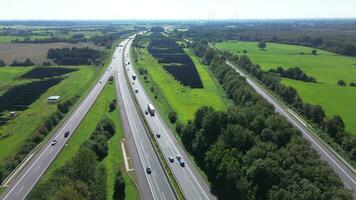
(15, 132)
(114, 161)
(328, 68)
(47, 72)
(176, 61)
(36, 52)
(8, 39)
(174, 96)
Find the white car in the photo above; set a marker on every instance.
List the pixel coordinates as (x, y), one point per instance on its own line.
(171, 159)
(54, 142)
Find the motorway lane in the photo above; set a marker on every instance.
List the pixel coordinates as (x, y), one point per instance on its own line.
(192, 184)
(32, 172)
(345, 173)
(157, 181)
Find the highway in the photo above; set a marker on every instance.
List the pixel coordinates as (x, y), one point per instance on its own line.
(27, 178)
(138, 139)
(190, 181)
(344, 172)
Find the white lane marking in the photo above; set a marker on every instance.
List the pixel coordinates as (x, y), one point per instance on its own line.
(300, 128)
(161, 127)
(19, 191)
(65, 125)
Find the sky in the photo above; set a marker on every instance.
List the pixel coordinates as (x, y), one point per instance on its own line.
(175, 9)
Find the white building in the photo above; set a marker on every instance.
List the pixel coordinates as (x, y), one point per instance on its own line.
(53, 99)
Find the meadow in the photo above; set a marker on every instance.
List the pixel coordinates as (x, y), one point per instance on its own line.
(174, 96)
(114, 160)
(328, 68)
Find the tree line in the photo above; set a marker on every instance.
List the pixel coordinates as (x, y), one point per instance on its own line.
(75, 56)
(310, 34)
(251, 152)
(293, 73)
(84, 176)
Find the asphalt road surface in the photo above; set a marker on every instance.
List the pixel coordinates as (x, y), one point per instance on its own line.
(190, 181)
(157, 181)
(345, 173)
(35, 168)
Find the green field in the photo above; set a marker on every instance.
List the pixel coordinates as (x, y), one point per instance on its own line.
(8, 76)
(114, 161)
(326, 67)
(185, 101)
(14, 134)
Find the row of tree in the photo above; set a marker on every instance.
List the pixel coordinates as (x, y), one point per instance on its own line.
(293, 73)
(75, 56)
(14, 160)
(83, 177)
(250, 152)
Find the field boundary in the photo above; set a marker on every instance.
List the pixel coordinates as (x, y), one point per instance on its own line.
(29, 156)
(297, 116)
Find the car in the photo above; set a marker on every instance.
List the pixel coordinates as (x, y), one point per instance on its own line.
(66, 134)
(136, 90)
(146, 112)
(181, 162)
(133, 82)
(158, 135)
(54, 142)
(171, 159)
(100, 82)
(148, 170)
(178, 157)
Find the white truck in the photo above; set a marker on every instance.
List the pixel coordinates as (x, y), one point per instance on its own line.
(151, 109)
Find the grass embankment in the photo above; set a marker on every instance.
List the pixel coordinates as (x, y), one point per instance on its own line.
(8, 76)
(174, 96)
(114, 161)
(328, 68)
(23, 126)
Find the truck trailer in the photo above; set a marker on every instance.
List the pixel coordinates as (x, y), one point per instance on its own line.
(151, 109)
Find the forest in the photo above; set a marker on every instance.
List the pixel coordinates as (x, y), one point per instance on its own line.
(250, 152)
(75, 56)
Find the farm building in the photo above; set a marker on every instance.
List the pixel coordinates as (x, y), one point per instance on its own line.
(53, 99)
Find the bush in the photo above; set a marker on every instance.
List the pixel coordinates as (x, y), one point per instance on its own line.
(119, 187)
(112, 105)
(352, 84)
(341, 83)
(2, 63)
(172, 116)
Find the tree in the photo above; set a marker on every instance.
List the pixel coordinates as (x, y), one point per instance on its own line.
(314, 52)
(112, 105)
(2, 63)
(341, 83)
(261, 45)
(119, 187)
(172, 116)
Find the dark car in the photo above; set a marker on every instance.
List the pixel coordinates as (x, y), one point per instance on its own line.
(66, 134)
(158, 135)
(181, 162)
(146, 112)
(148, 170)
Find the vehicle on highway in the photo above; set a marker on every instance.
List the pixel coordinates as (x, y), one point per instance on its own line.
(54, 142)
(181, 162)
(171, 159)
(148, 170)
(133, 76)
(66, 134)
(178, 157)
(100, 82)
(158, 135)
(146, 112)
(151, 109)
(136, 90)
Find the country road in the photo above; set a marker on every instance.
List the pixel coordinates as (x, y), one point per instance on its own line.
(343, 171)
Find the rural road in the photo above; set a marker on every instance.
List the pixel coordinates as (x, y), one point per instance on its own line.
(190, 181)
(138, 140)
(344, 172)
(27, 178)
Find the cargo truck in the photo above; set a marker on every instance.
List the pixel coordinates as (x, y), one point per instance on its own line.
(151, 109)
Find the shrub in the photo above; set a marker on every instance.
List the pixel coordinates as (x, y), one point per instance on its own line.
(341, 83)
(172, 116)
